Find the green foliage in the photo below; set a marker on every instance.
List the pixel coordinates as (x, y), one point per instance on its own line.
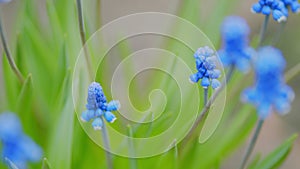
(47, 55)
(276, 157)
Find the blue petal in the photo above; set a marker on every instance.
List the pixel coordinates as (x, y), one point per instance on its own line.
(30, 149)
(215, 84)
(279, 16)
(225, 59)
(266, 10)
(87, 115)
(264, 110)
(98, 113)
(205, 82)
(295, 7)
(243, 64)
(194, 78)
(97, 124)
(109, 117)
(113, 105)
(256, 8)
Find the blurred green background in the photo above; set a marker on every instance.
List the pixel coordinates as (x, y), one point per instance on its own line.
(207, 15)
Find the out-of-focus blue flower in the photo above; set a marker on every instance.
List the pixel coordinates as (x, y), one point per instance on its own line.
(269, 91)
(16, 146)
(235, 49)
(4, 1)
(206, 66)
(97, 107)
(294, 5)
(278, 9)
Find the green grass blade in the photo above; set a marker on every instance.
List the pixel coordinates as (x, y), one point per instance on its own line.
(278, 156)
(46, 164)
(60, 151)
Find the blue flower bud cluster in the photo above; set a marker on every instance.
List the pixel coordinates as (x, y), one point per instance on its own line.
(16, 146)
(269, 91)
(206, 66)
(235, 49)
(278, 8)
(97, 107)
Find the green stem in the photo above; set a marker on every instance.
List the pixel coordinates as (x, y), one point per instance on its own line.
(8, 55)
(252, 143)
(263, 30)
(107, 146)
(133, 164)
(205, 95)
(83, 37)
(207, 106)
(278, 34)
(229, 74)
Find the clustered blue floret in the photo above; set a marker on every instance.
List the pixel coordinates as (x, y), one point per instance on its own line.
(294, 5)
(269, 91)
(235, 49)
(278, 8)
(16, 146)
(97, 107)
(206, 66)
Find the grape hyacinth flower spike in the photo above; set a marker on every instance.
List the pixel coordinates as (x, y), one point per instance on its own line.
(269, 92)
(235, 51)
(98, 108)
(16, 146)
(207, 72)
(206, 67)
(277, 8)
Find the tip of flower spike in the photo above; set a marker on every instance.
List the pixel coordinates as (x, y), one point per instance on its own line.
(234, 28)
(269, 59)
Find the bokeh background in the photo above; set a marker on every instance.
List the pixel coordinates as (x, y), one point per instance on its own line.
(275, 130)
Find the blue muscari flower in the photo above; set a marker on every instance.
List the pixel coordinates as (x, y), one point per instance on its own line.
(4, 1)
(206, 66)
(277, 8)
(16, 146)
(269, 91)
(235, 49)
(294, 5)
(98, 107)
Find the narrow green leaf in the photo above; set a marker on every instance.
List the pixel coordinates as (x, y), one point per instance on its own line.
(24, 98)
(60, 150)
(46, 164)
(11, 84)
(278, 156)
(10, 164)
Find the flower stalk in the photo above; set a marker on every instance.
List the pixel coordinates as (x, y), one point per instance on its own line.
(263, 30)
(9, 56)
(105, 137)
(252, 143)
(83, 37)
